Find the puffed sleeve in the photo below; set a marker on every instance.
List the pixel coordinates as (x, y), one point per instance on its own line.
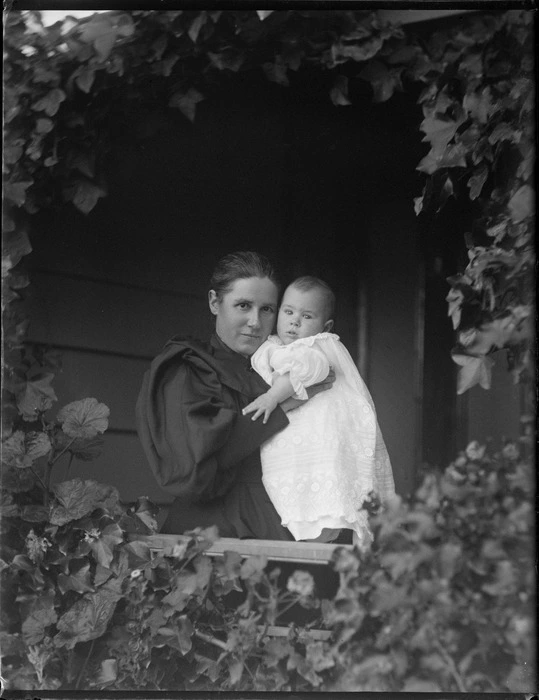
(306, 365)
(191, 430)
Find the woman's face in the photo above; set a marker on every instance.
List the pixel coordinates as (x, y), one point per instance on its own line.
(245, 314)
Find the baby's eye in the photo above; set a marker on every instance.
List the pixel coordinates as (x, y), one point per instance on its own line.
(287, 311)
(308, 316)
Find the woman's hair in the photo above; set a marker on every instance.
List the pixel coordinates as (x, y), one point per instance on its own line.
(307, 282)
(241, 265)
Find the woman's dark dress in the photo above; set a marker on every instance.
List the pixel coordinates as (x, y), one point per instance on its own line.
(199, 445)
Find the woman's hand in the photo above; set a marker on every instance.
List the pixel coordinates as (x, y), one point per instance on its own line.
(291, 403)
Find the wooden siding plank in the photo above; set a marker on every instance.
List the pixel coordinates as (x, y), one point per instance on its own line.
(122, 464)
(114, 381)
(96, 315)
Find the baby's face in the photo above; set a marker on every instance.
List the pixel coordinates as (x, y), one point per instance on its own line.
(301, 314)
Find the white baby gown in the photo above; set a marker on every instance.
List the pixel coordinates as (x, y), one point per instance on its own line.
(320, 468)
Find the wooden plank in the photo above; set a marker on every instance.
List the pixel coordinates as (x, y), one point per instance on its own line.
(298, 552)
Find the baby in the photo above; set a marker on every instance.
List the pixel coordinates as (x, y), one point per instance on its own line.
(319, 470)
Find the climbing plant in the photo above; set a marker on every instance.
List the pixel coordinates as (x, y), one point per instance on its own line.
(71, 86)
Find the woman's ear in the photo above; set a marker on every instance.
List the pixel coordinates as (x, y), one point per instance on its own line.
(328, 325)
(213, 301)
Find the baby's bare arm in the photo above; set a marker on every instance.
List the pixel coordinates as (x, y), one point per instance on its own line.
(266, 403)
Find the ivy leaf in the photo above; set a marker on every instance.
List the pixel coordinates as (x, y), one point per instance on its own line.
(358, 51)
(382, 80)
(196, 26)
(476, 182)
(16, 191)
(50, 104)
(203, 568)
(479, 106)
(475, 370)
(317, 656)
(83, 162)
(339, 91)
(438, 133)
(253, 567)
(77, 498)
(139, 554)
(103, 547)
(235, 670)
(227, 60)
(185, 632)
(187, 102)
(185, 585)
(505, 582)
(84, 419)
(454, 299)
(15, 246)
(428, 164)
(103, 44)
(277, 72)
(446, 192)
(262, 14)
(501, 132)
(79, 581)
(84, 195)
(168, 64)
(232, 564)
(39, 616)
(108, 673)
(85, 79)
(125, 25)
(13, 151)
(522, 204)
(101, 575)
(449, 556)
(100, 32)
(44, 125)
(88, 618)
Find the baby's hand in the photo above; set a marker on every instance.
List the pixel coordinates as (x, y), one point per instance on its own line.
(265, 404)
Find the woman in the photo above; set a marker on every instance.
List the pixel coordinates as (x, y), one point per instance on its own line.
(189, 411)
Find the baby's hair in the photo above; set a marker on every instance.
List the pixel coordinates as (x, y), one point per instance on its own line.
(308, 282)
(241, 265)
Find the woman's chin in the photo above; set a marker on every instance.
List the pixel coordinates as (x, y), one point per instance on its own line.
(247, 345)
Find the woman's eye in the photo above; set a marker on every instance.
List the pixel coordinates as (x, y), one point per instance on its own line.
(268, 309)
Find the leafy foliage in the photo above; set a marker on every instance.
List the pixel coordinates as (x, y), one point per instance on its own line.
(479, 123)
(442, 602)
(444, 599)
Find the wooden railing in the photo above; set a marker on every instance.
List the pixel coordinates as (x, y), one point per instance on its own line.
(275, 550)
